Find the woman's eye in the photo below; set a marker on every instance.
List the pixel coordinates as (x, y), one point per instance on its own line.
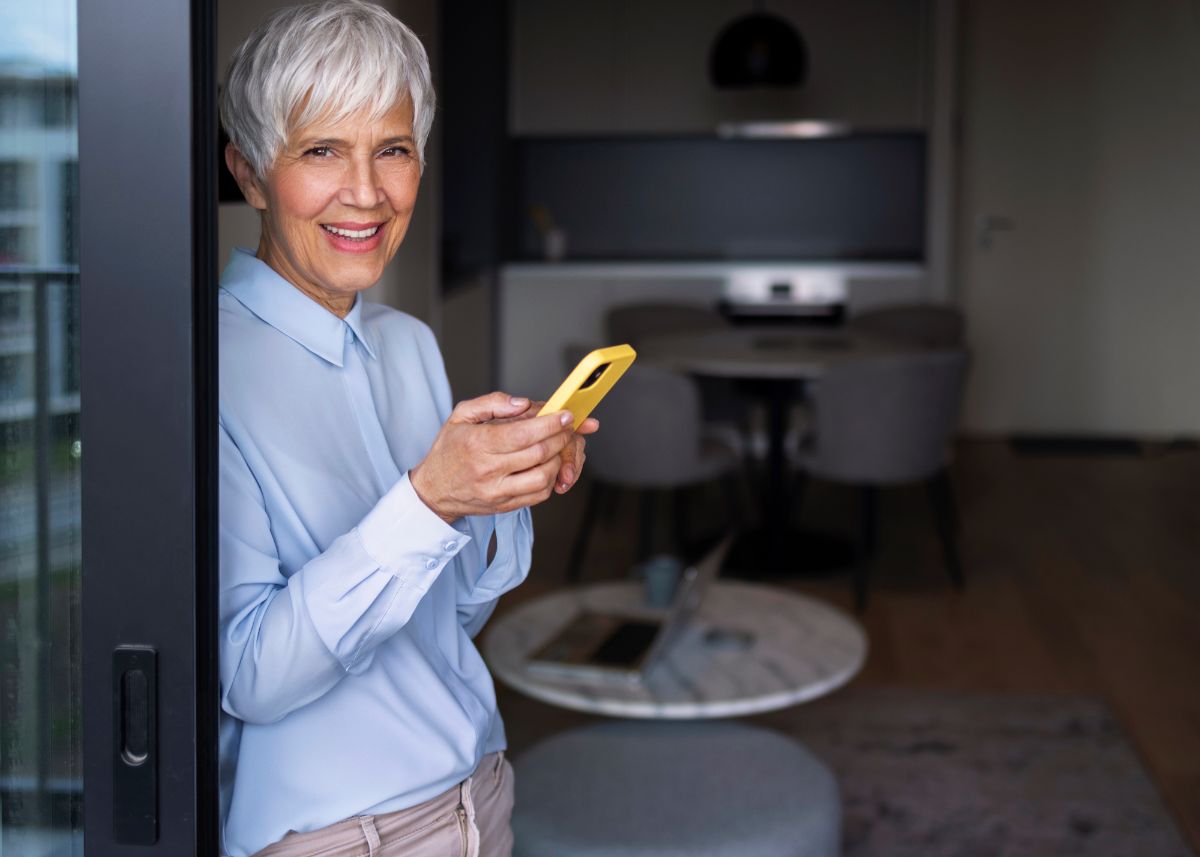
(396, 152)
(318, 151)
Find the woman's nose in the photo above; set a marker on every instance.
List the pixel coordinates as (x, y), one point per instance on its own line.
(362, 188)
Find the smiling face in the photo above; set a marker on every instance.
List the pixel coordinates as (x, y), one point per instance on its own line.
(336, 203)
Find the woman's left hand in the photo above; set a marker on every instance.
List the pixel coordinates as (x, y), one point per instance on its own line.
(573, 456)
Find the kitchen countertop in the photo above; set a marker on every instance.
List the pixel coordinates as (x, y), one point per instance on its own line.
(749, 282)
(716, 268)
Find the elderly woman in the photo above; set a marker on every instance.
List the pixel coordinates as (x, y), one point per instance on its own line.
(366, 528)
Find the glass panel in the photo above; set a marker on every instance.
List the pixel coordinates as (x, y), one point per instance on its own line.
(40, 713)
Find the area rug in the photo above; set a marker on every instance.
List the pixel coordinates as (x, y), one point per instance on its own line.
(931, 774)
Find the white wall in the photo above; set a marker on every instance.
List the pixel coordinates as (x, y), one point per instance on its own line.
(1083, 128)
(411, 281)
(467, 321)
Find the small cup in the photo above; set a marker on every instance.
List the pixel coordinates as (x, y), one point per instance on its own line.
(661, 574)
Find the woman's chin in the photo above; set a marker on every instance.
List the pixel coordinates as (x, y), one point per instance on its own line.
(349, 282)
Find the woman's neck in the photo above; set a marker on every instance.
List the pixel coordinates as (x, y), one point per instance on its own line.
(337, 303)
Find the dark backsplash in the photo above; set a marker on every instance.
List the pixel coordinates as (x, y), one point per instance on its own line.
(859, 197)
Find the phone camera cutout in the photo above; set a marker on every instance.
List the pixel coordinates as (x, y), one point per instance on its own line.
(595, 376)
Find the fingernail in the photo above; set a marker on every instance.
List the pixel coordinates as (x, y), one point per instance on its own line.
(517, 401)
(565, 418)
(569, 473)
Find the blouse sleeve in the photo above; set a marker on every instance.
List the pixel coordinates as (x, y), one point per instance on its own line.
(286, 641)
(481, 583)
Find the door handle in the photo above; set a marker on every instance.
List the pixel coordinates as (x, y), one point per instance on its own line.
(135, 745)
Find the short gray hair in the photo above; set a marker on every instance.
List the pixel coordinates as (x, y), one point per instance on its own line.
(325, 60)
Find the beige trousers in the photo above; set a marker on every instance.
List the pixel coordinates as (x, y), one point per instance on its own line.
(468, 820)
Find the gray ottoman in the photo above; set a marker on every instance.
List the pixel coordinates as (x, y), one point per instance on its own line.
(686, 789)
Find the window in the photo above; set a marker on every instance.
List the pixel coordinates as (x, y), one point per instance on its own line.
(16, 185)
(16, 245)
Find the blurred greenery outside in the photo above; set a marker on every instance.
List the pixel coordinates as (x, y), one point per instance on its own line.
(20, 745)
(17, 462)
(18, 691)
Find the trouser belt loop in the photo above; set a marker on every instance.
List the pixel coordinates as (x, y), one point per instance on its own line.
(370, 834)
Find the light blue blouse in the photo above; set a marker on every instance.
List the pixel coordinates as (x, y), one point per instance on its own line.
(350, 682)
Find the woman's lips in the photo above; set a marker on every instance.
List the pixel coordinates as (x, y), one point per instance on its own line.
(354, 237)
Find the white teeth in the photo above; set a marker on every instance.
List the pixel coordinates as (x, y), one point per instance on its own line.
(351, 233)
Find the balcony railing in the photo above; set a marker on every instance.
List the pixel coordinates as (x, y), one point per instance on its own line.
(29, 329)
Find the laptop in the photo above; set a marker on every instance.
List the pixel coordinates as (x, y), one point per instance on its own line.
(605, 647)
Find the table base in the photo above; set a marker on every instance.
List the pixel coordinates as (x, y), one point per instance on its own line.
(764, 554)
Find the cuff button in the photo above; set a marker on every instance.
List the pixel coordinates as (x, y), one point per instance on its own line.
(430, 563)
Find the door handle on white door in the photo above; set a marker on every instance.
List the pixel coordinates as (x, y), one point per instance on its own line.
(988, 224)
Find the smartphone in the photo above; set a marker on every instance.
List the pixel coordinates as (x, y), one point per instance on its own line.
(594, 376)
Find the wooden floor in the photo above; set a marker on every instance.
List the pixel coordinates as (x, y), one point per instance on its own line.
(1083, 577)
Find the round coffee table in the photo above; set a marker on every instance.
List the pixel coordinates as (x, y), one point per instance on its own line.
(749, 649)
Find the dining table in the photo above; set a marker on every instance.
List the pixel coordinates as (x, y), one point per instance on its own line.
(775, 364)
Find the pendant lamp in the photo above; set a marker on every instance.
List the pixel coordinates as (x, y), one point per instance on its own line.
(758, 49)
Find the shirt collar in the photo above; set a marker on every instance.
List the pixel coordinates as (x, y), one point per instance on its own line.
(283, 306)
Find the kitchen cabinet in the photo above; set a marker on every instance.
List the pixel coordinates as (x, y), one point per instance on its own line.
(600, 67)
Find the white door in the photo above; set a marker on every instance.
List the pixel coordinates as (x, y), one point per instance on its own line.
(1079, 223)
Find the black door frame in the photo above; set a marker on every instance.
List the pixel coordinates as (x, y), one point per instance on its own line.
(147, 158)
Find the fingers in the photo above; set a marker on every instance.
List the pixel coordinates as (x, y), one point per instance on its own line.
(534, 455)
(564, 486)
(513, 436)
(495, 454)
(589, 426)
(533, 485)
(532, 411)
(571, 453)
(493, 406)
(569, 475)
(571, 459)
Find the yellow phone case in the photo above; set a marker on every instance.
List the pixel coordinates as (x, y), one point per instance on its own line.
(589, 381)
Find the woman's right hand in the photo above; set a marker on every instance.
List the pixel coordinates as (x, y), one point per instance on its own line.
(482, 462)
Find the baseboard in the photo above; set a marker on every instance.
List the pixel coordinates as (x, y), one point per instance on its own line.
(1095, 445)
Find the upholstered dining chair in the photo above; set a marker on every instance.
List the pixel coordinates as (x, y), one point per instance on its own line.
(725, 412)
(889, 421)
(925, 324)
(651, 441)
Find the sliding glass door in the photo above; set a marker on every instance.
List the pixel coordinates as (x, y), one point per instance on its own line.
(41, 776)
(107, 417)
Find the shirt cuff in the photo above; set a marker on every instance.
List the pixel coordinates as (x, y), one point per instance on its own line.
(406, 538)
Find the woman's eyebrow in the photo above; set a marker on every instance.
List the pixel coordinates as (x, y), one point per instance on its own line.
(405, 138)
